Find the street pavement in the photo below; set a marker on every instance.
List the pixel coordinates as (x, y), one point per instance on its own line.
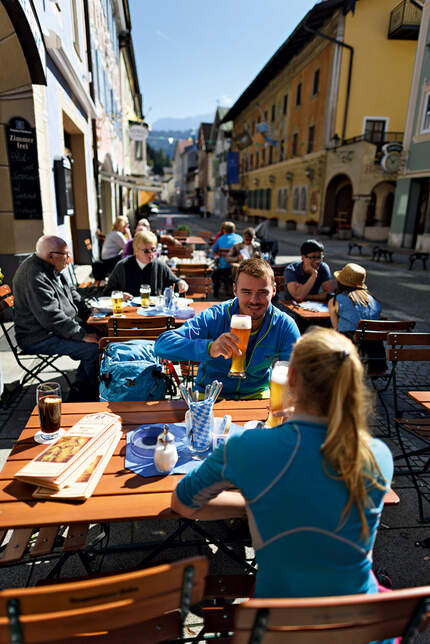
(403, 293)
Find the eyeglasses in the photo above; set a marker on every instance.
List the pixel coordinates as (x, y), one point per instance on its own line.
(148, 250)
(55, 252)
(315, 257)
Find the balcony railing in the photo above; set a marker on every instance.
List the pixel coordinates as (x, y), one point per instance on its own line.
(404, 21)
(380, 141)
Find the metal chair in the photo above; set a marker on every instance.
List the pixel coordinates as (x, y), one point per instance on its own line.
(411, 347)
(369, 338)
(40, 362)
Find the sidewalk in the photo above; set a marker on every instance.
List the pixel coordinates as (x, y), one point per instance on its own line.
(403, 294)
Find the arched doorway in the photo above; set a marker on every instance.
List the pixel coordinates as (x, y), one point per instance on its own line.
(338, 202)
(381, 204)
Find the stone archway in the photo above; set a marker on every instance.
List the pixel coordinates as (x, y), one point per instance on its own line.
(338, 202)
(381, 204)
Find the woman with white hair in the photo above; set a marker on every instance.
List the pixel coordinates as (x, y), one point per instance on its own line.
(115, 242)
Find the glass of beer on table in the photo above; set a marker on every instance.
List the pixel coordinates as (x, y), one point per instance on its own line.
(117, 302)
(241, 327)
(279, 398)
(48, 398)
(145, 293)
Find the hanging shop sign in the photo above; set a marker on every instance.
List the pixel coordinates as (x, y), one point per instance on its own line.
(24, 169)
(137, 131)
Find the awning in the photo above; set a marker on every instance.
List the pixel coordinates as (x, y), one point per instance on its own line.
(128, 181)
(145, 197)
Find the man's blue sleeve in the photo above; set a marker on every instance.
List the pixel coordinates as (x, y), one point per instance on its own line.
(189, 342)
(325, 272)
(288, 337)
(215, 246)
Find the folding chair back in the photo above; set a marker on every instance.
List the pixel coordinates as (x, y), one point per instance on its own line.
(140, 327)
(376, 331)
(36, 363)
(333, 620)
(148, 605)
(179, 251)
(199, 287)
(180, 234)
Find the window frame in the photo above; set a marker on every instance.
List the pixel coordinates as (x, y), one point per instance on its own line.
(299, 89)
(311, 139)
(316, 81)
(426, 114)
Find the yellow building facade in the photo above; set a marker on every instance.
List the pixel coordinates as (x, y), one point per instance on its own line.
(311, 127)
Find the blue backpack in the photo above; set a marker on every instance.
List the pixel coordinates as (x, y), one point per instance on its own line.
(130, 371)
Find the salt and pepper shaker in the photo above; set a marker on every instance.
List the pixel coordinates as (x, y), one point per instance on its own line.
(165, 453)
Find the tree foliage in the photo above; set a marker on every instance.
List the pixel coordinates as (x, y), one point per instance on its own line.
(157, 160)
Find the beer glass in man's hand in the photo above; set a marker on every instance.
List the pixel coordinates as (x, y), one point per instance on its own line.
(48, 398)
(279, 398)
(241, 327)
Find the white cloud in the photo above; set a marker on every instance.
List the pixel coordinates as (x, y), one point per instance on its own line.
(225, 101)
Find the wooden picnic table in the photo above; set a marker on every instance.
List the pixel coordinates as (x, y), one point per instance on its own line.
(309, 316)
(121, 495)
(130, 312)
(195, 240)
(421, 397)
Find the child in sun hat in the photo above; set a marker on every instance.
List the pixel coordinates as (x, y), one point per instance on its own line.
(352, 301)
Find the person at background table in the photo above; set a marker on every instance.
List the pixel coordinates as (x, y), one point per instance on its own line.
(224, 243)
(143, 268)
(144, 226)
(352, 301)
(50, 315)
(264, 233)
(313, 487)
(245, 249)
(114, 243)
(310, 278)
(206, 338)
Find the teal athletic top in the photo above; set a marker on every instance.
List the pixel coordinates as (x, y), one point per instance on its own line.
(294, 508)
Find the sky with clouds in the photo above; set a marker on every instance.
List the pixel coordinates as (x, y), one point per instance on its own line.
(193, 55)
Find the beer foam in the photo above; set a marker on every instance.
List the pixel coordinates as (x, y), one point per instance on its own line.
(241, 322)
(50, 400)
(280, 374)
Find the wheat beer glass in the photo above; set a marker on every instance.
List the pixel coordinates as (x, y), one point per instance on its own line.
(241, 327)
(117, 302)
(145, 293)
(48, 398)
(278, 392)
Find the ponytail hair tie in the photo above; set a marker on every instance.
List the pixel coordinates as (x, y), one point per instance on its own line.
(343, 356)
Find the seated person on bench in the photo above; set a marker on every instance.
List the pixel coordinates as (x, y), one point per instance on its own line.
(50, 315)
(305, 279)
(313, 487)
(143, 268)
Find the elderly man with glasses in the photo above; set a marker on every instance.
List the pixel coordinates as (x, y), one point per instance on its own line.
(309, 279)
(142, 268)
(50, 315)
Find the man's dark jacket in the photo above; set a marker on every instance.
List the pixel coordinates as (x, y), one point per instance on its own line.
(45, 304)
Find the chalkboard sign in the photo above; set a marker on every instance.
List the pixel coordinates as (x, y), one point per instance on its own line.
(24, 169)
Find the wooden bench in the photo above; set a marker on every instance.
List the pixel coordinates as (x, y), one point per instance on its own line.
(386, 252)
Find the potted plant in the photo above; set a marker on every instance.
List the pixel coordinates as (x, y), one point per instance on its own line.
(185, 228)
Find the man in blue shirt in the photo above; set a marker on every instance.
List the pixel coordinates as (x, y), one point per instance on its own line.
(224, 243)
(309, 279)
(207, 338)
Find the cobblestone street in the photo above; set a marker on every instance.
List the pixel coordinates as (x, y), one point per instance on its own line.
(404, 294)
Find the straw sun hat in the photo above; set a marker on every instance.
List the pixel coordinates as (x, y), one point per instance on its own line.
(352, 275)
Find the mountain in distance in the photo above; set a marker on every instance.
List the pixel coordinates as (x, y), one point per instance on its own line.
(185, 123)
(165, 140)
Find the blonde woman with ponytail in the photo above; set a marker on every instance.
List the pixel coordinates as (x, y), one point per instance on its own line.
(313, 487)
